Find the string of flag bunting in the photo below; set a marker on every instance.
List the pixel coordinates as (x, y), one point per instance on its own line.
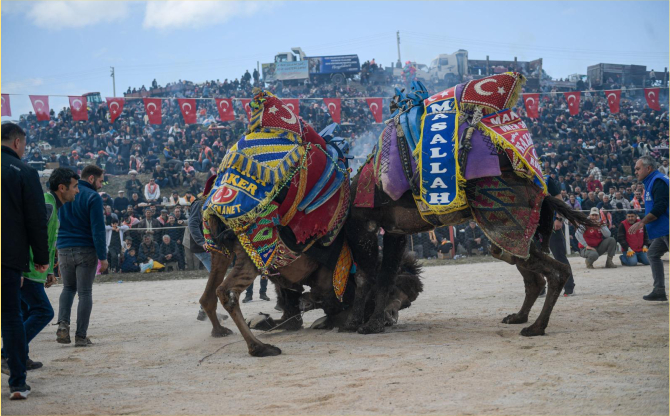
(573, 98)
(153, 106)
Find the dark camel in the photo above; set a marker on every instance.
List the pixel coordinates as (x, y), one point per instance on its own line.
(290, 280)
(400, 218)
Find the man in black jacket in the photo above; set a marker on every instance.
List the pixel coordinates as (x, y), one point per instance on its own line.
(474, 238)
(25, 219)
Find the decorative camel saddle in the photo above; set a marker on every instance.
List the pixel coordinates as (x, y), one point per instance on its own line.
(284, 189)
(434, 145)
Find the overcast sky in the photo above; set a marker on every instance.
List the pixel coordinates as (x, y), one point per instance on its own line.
(68, 47)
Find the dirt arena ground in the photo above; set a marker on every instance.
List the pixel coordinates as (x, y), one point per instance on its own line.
(605, 352)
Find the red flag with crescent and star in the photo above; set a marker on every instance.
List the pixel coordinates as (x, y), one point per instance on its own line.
(78, 108)
(115, 106)
(6, 109)
(247, 108)
(41, 106)
(293, 104)
(153, 107)
(613, 99)
(225, 107)
(532, 102)
(651, 94)
(334, 108)
(188, 110)
(375, 105)
(573, 101)
(276, 113)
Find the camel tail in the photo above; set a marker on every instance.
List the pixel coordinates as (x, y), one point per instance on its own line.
(576, 218)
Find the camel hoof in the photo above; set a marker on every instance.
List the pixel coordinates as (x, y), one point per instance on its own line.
(531, 331)
(515, 319)
(372, 327)
(264, 350)
(222, 332)
(322, 323)
(290, 324)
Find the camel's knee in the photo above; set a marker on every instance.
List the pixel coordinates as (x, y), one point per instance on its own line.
(228, 298)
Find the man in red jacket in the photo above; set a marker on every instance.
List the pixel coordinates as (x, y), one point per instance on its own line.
(634, 246)
(596, 241)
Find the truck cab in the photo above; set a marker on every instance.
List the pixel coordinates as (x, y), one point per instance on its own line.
(449, 67)
(295, 55)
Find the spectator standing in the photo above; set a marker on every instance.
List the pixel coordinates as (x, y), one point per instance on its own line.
(557, 247)
(24, 216)
(81, 244)
(37, 311)
(114, 240)
(655, 220)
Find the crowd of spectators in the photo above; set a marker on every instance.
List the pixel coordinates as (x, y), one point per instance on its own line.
(591, 154)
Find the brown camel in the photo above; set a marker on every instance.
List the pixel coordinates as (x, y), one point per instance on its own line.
(290, 280)
(400, 218)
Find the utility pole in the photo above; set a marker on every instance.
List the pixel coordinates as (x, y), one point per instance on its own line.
(399, 60)
(113, 80)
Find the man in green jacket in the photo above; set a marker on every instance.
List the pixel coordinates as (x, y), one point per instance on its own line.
(37, 310)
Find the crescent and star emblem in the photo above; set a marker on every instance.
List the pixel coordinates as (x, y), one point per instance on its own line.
(375, 106)
(528, 100)
(651, 93)
(291, 120)
(480, 91)
(75, 102)
(39, 109)
(111, 105)
(611, 95)
(291, 106)
(183, 107)
(224, 195)
(334, 106)
(221, 105)
(149, 106)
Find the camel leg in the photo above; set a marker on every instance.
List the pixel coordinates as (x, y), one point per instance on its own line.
(365, 247)
(239, 278)
(534, 282)
(289, 301)
(208, 299)
(394, 246)
(556, 274)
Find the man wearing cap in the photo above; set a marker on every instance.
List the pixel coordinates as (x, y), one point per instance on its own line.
(655, 220)
(121, 203)
(596, 241)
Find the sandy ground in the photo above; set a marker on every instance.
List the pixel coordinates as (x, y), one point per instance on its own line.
(605, 352)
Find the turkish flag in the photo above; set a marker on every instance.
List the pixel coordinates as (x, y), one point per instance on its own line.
(225, 107)
(247, 108)
(375, 105)
(188, 110)
(153, 107)
(293, 104)
(115, 106)
(532, 102)
(41, 106)
(613, 99)
(652, 98)
(6, 109)
(573, 101)
(78, 108)
(334, 108)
